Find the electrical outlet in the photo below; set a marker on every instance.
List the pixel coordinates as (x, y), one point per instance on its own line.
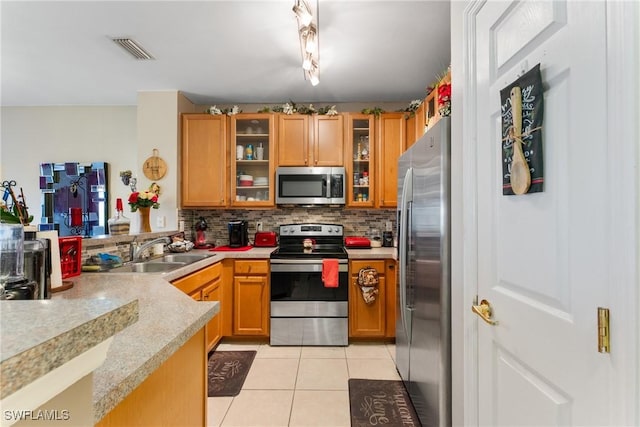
(161, 221)
(388, 226)
(181, 225)
(259, 226)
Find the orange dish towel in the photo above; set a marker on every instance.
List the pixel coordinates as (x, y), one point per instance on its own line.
(330, 272)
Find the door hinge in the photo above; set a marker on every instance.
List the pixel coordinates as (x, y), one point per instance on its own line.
(603, 330)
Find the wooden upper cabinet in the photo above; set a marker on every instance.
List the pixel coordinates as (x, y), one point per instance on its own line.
(415, 125)
(390, 136)
(204, 160)
(328, 140)
(293, 140)
(360, 160)
(305, 140)
(258, 131)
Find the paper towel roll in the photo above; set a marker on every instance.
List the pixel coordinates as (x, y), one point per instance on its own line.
(56, 271)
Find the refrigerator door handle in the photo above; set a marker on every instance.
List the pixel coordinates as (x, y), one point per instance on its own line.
(403, 244)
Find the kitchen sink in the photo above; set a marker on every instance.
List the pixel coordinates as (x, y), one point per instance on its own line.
(184, 258)
(148, 267)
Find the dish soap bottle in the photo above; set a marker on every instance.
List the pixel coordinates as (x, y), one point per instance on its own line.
(119, 224)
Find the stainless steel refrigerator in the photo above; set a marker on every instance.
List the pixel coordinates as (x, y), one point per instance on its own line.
(423, 326)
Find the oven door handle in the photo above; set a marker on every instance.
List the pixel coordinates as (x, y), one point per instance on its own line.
(303, 261)
(296, 266)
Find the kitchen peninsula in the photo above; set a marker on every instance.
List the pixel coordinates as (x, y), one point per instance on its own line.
(158, 339)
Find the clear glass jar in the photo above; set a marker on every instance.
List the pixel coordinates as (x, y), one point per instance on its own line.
(119, 224)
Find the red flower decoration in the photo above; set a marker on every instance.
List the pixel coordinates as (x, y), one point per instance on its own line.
(145, 199)
(444, 93)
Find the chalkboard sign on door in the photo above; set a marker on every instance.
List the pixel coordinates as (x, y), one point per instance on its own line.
(532, 107)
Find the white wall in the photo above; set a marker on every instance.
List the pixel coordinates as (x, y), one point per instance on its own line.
(158, 129)
(123, 136)
(34, 135)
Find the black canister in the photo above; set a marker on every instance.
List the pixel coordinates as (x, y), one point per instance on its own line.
(387, 239)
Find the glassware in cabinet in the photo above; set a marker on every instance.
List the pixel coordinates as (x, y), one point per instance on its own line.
(252, 136)
(362, 172)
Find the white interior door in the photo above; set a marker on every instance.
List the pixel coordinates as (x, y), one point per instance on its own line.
(543, 259)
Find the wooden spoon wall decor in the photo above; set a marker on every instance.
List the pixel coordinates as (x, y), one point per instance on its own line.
(520, 174)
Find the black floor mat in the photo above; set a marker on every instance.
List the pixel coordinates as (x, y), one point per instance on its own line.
(227, 371)
(380, 402)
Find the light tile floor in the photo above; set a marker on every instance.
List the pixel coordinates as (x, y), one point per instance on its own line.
(300, 386)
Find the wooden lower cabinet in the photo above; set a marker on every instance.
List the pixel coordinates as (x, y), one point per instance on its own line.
(175, 394)
(251, 294)
(375, 320)
(206, 285)
(213, 292)
(391, 279)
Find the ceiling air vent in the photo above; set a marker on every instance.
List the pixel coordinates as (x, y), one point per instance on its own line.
(133, 47)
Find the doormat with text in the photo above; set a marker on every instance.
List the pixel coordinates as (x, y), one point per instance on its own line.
(227, 371)
(380, 402)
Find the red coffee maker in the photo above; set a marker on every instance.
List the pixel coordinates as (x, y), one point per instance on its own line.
(201, 238)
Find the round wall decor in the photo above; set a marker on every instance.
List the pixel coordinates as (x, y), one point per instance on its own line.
(154, 167)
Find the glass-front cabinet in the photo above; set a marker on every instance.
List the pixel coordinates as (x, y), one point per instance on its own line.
(252, 160)
(360, 161)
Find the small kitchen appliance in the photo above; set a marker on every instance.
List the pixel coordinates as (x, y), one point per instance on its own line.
(310, 185)
(238, 233)
(37, 264)
(265, 239)
(355, 242)
(13, 284)
(201, 237)
(305, 308)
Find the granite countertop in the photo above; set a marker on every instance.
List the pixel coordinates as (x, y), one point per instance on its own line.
(373, 253)
(51, 333)
(167, 318)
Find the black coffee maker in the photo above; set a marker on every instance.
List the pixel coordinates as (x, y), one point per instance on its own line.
(238, 233)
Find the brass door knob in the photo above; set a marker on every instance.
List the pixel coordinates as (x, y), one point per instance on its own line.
(484, 311)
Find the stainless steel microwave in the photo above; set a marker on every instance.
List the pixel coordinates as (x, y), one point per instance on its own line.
(310, 185)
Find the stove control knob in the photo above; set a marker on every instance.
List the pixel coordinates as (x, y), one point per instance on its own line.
(329, 229)
(336, 229)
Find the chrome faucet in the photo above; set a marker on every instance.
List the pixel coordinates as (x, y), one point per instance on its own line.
(135, 251)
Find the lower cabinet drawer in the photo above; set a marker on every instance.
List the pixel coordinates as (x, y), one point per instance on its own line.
(253, 266)
(195, 280)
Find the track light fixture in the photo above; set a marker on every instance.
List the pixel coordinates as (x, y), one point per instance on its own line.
(308, 35)
(303, 13)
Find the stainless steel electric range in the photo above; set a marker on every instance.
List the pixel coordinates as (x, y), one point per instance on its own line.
(303, 310)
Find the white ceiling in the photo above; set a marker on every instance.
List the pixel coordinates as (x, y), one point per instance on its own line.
(218, 52)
